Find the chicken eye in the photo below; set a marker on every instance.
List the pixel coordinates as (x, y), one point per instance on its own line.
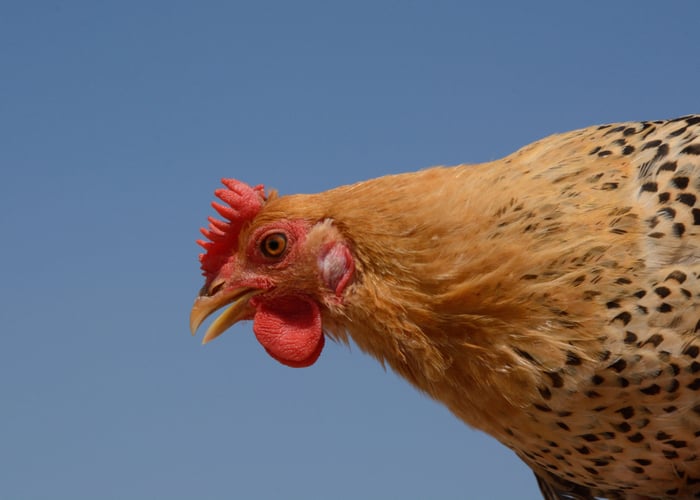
(274, 245)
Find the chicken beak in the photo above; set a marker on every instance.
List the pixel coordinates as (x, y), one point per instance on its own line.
(238, 308)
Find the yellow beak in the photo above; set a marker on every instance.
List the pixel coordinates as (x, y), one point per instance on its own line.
(236, 299)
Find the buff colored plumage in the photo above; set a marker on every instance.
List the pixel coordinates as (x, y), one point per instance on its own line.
(549, 299)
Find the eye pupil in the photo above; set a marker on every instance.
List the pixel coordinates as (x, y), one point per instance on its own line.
(274, 245)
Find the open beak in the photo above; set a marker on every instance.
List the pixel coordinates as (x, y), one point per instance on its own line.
(238, 308)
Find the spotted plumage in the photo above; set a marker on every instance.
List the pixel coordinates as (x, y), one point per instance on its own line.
(625, 420)
(550, 299)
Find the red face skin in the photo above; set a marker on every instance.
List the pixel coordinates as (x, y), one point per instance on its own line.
(287, 270)
(287, 322)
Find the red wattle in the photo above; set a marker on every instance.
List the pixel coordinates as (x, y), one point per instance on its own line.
(290, 330)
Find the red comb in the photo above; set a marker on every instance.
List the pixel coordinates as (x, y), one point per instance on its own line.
(242, 205)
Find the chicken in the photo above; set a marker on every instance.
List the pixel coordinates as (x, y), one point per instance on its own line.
(549, 299)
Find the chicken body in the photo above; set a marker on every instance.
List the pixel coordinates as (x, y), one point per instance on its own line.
(550, 299)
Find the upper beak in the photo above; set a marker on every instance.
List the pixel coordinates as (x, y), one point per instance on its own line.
(204, 306)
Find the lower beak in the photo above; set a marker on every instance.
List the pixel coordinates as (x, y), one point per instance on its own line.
(238, 309)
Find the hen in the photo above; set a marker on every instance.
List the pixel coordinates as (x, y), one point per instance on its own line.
(550, 298)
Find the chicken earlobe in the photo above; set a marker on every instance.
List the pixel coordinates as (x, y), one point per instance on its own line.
(337, 267)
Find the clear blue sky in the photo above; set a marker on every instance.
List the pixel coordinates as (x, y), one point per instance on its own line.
(117, 120)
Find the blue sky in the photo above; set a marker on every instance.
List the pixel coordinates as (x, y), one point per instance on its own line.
(117, 120)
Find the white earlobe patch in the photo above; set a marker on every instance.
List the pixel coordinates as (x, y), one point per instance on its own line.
(336, 266)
